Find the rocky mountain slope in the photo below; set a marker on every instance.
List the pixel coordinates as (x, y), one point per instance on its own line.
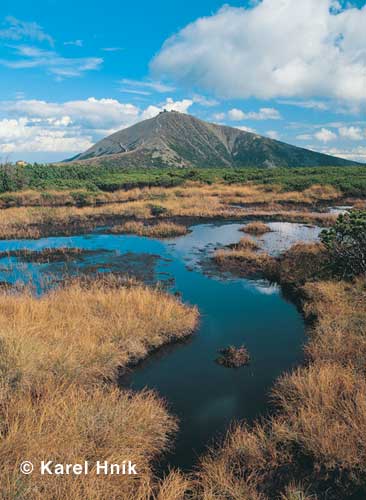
(174, 139)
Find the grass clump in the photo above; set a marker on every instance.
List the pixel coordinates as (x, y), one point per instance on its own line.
(247, 243)
(244, 261)
(158, 230)
(70, 424)
(233, 357)
(257, 228)
(85, 333)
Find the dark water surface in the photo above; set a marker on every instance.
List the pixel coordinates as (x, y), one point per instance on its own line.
(206, 397)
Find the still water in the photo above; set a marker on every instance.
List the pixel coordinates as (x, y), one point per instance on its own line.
(205, 396)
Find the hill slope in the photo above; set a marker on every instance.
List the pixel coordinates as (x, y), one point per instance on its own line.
(174, 139)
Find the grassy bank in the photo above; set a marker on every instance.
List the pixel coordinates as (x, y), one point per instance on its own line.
(56, 354)
(313, 446)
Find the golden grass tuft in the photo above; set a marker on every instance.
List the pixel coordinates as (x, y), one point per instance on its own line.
(87, 333)
(340, 332)
(324, 410)
(71, 424)
(247, 243)
(159, 230)
(256, 228)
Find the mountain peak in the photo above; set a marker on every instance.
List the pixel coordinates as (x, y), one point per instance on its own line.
(174, 139)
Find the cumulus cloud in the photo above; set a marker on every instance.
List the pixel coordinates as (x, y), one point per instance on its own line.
(325, 135)
(89, 113)
(169, 105)
(71, 126)
(263, 114)
(354, 154)
(353, 133)
(244, 52)
(25, 135)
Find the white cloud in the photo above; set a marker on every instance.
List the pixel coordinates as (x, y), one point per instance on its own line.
(71, 126)
(204, 101)
(318, 105)
(112, 49)
(15, 29)
(89, 113)
(354, 154)
(273, 134)
(219, 117)
(353, 133)
(25, 135)
(151, 85)
(33, 57)
(239, 52)
(75, 43)
(236, 115)
(263, 114)
(304, 137)
(325, 135)
(247, 129)
(169, 105)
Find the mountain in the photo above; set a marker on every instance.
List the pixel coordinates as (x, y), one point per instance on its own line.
(174, 139)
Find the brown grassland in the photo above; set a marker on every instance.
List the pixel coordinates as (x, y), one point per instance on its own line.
(60, 356)
(59, 359)
(33, 216)
(313, 446)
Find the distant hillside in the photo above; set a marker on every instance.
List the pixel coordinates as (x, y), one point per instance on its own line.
(174, 139)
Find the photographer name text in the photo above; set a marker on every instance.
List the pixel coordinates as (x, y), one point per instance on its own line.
(100, 467)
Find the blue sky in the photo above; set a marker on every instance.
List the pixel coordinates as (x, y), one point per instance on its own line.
(73, 72)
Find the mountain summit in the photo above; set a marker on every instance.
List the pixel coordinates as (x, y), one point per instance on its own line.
(174, 139)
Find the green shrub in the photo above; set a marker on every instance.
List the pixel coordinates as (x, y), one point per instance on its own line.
(346, 243)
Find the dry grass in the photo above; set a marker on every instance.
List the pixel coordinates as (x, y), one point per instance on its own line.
(247, 243)
(324, 412)
(56, 353)
(159, 230)
(316, 437)
(340, 332)
(256, 228)
(247, 194)
(87, 333)
(296, 492)
(244, 261)
(72, 424)
(301, 263)
(32, 220)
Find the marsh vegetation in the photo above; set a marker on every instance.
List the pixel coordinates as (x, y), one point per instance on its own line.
(61, 353)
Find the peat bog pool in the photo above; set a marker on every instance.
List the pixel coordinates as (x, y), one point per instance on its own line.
(205, 396)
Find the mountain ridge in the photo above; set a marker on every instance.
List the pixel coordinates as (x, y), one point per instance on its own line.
(173, 139)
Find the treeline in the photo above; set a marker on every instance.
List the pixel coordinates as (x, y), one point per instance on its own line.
(108, 177)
